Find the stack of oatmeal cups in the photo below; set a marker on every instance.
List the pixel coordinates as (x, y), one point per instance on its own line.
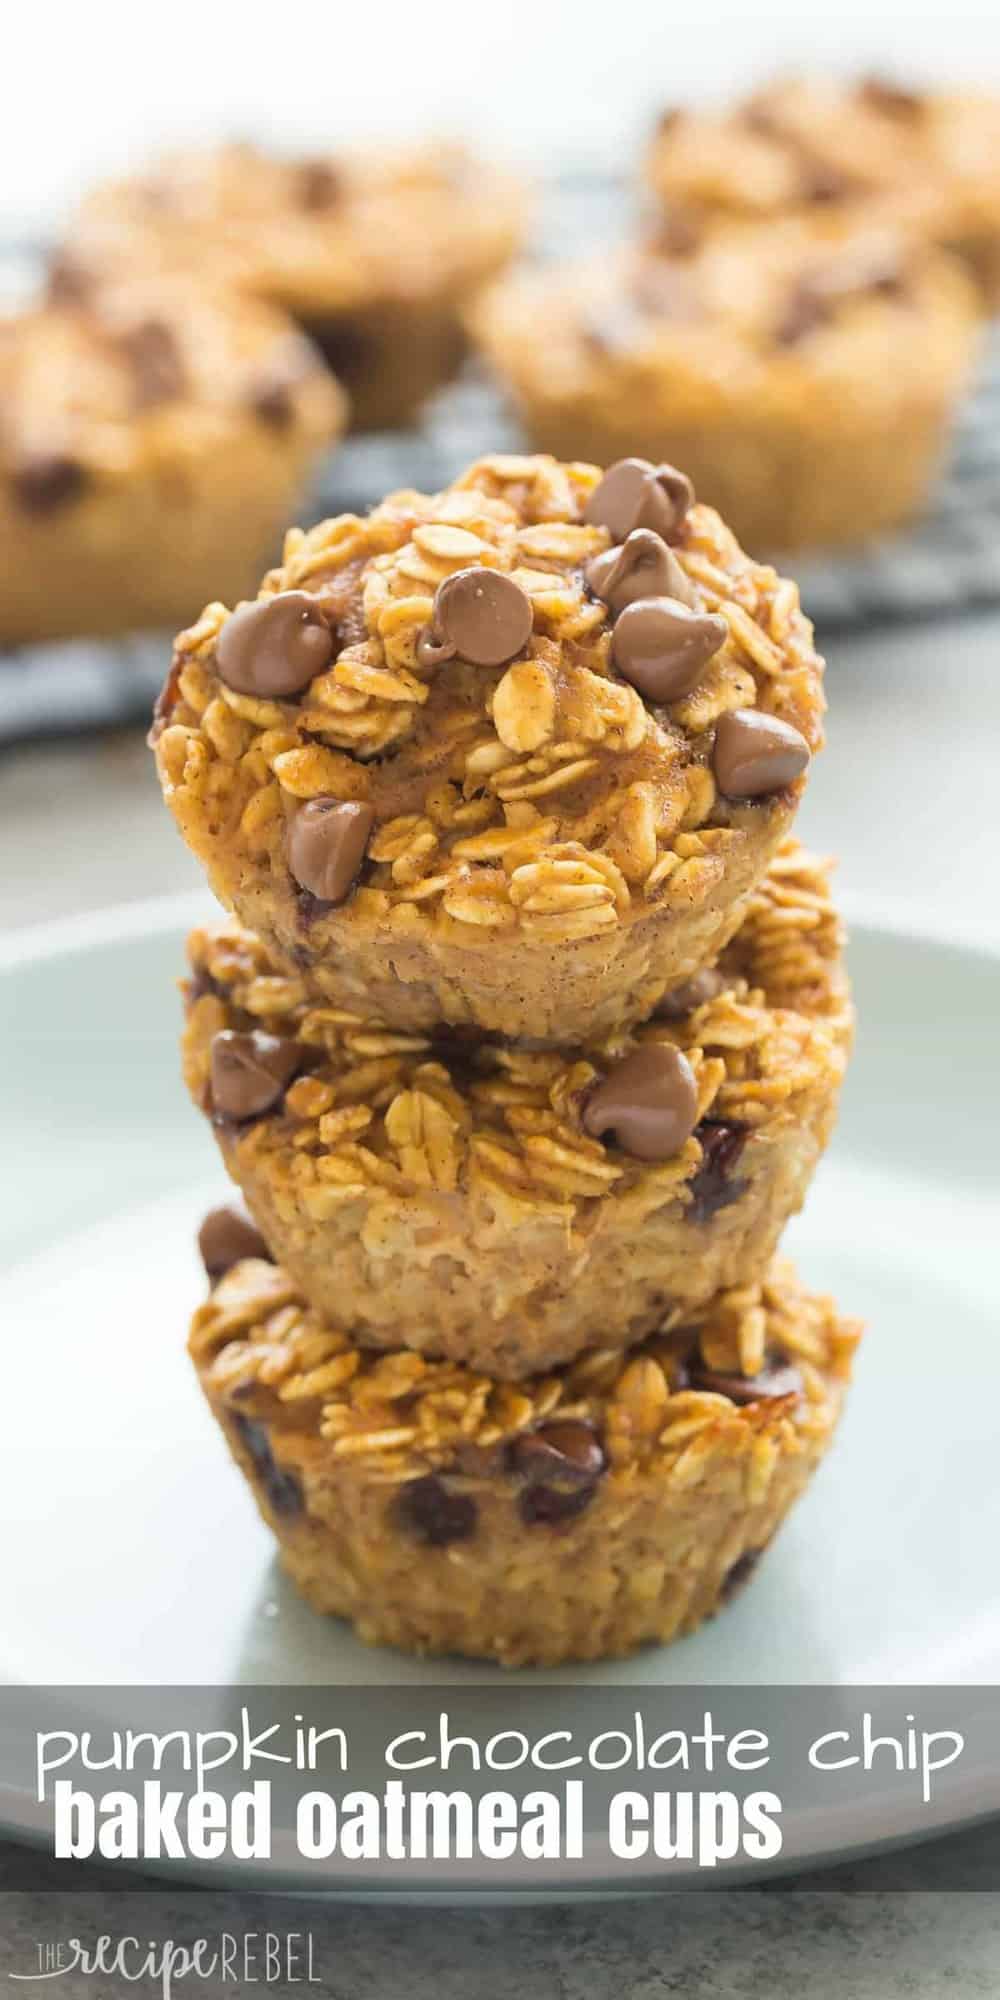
(522, 1045)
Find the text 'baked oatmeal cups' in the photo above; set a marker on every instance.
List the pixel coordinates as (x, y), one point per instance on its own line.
(514, 1207)
(576, 1517)
(805, 373)
(375, 255)
(511, 756)
(153, 441)
(869, 148)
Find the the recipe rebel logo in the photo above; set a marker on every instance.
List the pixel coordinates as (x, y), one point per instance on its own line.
(248, 1958)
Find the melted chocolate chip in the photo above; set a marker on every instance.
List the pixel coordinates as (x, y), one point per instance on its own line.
(200, 984)
(47, 481)
(562, 1464)
(636, 494)
(820, 181)
(250, 1072)
(740, 1573)
(805, 310)
(318, 184)
(643, 567)
(678, 234)
(281, 1488)
(714, 1185)
(691, 993)
(435, 1515)
(662, 647)
(881, 94)
(154, 357)
(326, 846)
(756, 754)
(226, 1236)
(648, 1102)
(481, 615)
(275, 646)
(779, 1379)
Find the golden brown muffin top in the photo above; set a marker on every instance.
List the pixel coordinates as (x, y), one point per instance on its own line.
(805, 144)
(151, 374)
(751, 309)
(437, 706)
(327, 233)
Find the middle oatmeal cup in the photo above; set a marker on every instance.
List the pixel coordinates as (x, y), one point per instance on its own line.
(511, 756)
(513, 1207)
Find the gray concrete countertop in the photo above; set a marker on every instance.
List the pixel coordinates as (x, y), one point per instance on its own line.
(907, 795)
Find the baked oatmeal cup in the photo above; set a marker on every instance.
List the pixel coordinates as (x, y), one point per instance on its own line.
(804, 372)
(927, 159)
(374, 256)
(510, 756)
(615, 1502)
(153, 442)
(513, 1207)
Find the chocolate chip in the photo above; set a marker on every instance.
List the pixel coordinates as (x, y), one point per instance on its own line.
(678, 233)
(271, 395)
(272, 401)
(820, 181)
(71, 281)
(755, 754)
(481, 615)
(805, 309)
(713, 1185)
(562, 1464)
(281, 1488)
(326, 846)
(151, 350)
(691, 993)
(250, 1072)
(642, 567)
(635, 494)
(318, 184)
(662, 647)
(275, 646)
(881, 94)
(649, 1101)
(437, 1516)
(226, 1236)
(739, 1574)
(773, 1381)
(47, 481)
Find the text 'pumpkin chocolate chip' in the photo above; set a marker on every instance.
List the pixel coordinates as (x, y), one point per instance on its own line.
(662, 648)
(755, 754)
(642, 567)
(250, 1073)
(481, 616)
(326, 846)
(636, 494)
(649, 1101)
(275, 646)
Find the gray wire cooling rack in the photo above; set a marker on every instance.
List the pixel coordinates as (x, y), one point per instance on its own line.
(947, 561)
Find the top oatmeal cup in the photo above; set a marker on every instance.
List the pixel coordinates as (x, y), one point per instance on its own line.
(513, 755)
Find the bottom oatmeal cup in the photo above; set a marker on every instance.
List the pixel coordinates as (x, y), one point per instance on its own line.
(512, 1206)
(574, 1517)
